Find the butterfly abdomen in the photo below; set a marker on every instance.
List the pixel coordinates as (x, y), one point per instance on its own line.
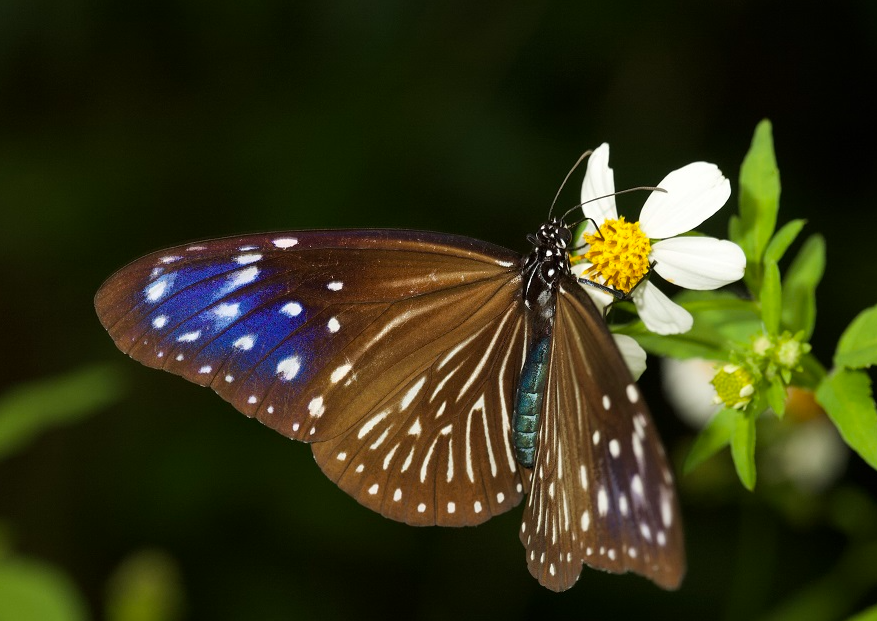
(528, 403)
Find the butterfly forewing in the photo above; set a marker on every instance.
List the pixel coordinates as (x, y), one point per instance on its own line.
(395, 352)
(602, 493)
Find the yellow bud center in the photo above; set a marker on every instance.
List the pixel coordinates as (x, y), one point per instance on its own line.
(619, 254)
(733, 386)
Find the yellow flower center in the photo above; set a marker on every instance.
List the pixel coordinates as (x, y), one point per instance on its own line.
(733, 386)
(619, 254)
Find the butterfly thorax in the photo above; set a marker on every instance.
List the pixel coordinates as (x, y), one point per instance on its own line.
(546, 263)
(542, 271)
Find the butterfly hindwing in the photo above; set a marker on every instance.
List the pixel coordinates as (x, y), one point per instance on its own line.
(602, 492)
(395, 352)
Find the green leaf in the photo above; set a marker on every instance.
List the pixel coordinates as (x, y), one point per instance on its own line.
(27, 410)
(33, 591)
(782, 240)
(743, 450)
(712, 438)
(799, 286)
(759, 193)
(846, 397)
(857, 347)
(771, 298)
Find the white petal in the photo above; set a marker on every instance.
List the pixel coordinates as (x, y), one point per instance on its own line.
(660, 314)
(693, 194)
(634, 355)
(687, 385)
(600, 298)
(599, 181)
(698, 262)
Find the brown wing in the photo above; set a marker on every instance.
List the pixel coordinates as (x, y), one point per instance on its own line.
(602, 492)
(395, 352)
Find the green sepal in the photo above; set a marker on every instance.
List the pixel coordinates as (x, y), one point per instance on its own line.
(776, 396)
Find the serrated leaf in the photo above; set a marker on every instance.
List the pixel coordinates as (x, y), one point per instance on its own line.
(34, 591)
(759, 193)
(776, 396)
(784, 238)
(27, 410)
(743, 450)
(799, 286)
(846, 397)
(857, 347)
(712, 438)
(771, 298)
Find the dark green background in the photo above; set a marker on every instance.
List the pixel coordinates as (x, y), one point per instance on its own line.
(129, 126)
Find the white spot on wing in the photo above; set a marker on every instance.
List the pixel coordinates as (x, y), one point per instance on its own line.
(245, 343)
(373, 489)
(158, 289)
(614, 448)
(227, 311)
(246, 259)
(602, 502)
(288, 368)
(335, 285)
(370, 424)
(188, 337)
(333, 325)
(160, 321)
(632, 394)
(285, 242)
(291, 309)
(339, 373)
(412, 393)
(239, 279)
(205, 369)
(316, 407)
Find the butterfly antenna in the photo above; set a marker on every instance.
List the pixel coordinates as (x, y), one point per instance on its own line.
(598, 198)
(565, 179)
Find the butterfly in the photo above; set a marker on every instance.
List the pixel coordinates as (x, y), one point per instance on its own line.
(438, 379)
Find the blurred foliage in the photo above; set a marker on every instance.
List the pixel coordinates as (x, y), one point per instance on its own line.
(35, 591)
(145, 587)
(130, 126)
(28, 410)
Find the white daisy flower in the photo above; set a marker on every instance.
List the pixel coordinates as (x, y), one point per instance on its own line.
(620, 255)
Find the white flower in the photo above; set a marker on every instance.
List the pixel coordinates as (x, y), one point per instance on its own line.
(621, 254)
